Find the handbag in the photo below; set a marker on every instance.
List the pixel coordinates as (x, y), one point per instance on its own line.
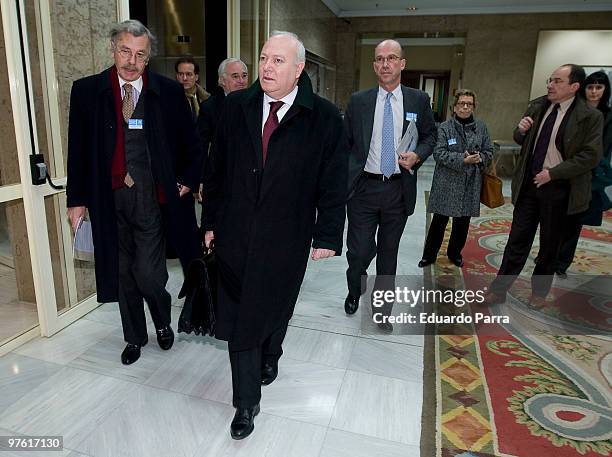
(200, 292)
(491, 190)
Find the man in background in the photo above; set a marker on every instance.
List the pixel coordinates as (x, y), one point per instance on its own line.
(188, 74)
(233, 75)
(561, 142)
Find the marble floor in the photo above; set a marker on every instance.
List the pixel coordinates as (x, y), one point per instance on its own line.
(339, 392)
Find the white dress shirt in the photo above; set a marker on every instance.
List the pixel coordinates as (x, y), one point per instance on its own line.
(137, 85)
(287, 102)
(397, 107)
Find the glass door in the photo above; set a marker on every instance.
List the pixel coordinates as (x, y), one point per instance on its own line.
(42, 287)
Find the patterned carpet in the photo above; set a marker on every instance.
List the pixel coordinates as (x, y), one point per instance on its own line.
(539, 386)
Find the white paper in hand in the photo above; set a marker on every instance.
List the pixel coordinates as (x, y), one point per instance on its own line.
(82, 246)
(409, 140)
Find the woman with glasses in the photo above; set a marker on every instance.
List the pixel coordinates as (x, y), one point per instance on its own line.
(596, 91)
(462, 151)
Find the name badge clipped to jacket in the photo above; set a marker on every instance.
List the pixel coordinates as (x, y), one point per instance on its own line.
(412, 117)
(135, 124)
(452, 141)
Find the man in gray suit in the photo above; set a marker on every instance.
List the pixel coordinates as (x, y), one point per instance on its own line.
(382, 186)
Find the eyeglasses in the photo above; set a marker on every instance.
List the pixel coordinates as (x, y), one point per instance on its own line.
(555, 81)
(465, 104)
(239, 76)
(127, 54)
(390, 59)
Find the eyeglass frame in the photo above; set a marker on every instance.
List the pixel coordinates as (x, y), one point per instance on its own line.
(381, 60)
(127, 54)
(556, 81)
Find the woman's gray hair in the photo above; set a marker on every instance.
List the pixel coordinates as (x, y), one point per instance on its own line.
(136, 28)
(301, 51)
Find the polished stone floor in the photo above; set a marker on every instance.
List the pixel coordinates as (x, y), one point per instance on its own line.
(339, 393)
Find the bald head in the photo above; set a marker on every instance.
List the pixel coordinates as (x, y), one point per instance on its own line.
(388, 64)
(390, 44)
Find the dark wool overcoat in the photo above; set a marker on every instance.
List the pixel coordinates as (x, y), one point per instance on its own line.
(175, 152)
(265, 218)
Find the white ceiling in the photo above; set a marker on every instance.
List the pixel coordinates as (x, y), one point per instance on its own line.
(360, 8)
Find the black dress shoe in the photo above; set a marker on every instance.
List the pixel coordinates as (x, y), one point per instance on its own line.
(244, 422)
(457, 261)
(385, 327)
(131, 353)
(424, 262)
(269, 372)
(165, 337)
(351, 304)
(561, 274)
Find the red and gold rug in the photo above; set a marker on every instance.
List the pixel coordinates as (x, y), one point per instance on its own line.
(541, 386)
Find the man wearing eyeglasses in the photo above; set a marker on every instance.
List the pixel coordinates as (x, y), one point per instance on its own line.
(233, 75)
(382, 185)
(561, 140)
(133, 149)
(188, 74)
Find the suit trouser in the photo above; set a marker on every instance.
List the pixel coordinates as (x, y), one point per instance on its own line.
(569, 243)
(191, 238)
(547, 207)
(247, 364)
(435, 236)
(374, 205)
(142, 261)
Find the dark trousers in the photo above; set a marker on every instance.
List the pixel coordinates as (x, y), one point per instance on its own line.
(246, 367)
(142, 261)
(190, 235)
(374, 205)
(547, 207)
(435, 236)
(569, 243)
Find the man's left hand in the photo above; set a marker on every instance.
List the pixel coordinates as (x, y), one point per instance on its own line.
(183, 190)
(408, 160)
(541, 178)
(319, 253)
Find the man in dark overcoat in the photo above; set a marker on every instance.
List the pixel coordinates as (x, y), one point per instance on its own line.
(561, 142)
(233, 75)
(133, 147)
(382, 186)
(278, 187)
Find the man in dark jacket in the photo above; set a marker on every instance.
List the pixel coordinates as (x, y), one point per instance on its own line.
(132, 147)
(233, 75)
(382, 188)
(561, 140)
(277, 186)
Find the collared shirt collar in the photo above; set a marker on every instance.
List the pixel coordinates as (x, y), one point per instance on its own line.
(396, 92)
(287, 99)
(564, 106)
(135, 84)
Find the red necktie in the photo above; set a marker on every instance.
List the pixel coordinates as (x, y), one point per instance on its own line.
(269, 127)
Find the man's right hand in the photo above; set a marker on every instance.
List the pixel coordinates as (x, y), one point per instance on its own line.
(525, 124)
(76, 214)
(209, 235)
